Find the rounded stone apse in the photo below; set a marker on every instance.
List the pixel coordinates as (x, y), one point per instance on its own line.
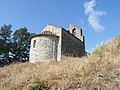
(43, 48)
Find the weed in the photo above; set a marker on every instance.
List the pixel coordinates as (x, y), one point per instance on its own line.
(37, 85)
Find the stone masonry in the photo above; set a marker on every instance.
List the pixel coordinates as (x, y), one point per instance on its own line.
(56, 43)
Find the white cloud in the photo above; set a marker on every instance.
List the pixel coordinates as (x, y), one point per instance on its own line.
(94, 15)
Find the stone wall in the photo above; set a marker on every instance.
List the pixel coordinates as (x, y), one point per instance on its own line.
(45, 48)
(56, 30)
(71, 45)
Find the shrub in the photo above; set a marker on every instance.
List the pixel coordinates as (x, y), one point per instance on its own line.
(37, 85)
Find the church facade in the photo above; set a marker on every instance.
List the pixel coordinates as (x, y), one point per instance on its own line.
(56, 43)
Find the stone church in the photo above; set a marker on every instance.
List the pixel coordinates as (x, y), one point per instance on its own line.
(56, 43)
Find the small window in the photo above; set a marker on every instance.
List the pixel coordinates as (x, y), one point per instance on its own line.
(34, 43)
(74, 31)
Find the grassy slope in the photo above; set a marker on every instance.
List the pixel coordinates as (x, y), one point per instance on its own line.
(100, 70)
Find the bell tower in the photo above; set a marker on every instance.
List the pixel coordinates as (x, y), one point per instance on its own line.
(76, 31)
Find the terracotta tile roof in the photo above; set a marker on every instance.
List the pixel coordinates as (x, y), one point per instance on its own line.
(44, 33)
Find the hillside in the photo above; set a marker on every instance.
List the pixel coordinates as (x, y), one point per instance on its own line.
(98, 71)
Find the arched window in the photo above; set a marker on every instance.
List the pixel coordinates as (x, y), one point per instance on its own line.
(74, 31)
(34, 43)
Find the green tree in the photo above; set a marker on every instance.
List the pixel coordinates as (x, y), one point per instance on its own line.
(5, 36)
(21, 44)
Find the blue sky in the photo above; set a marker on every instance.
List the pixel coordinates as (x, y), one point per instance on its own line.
(100, 19)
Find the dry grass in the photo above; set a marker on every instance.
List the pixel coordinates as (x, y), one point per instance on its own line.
(100, 70)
